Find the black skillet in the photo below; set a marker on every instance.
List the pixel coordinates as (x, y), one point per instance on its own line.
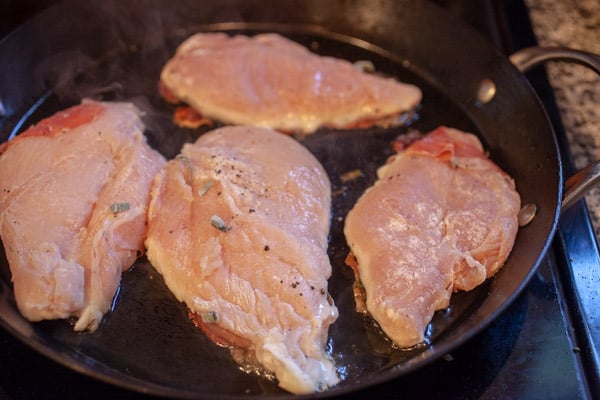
(114, 50)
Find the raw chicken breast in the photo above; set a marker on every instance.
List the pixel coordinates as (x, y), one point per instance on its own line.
(441, 217)
(238, 227)
(74, 192)
(270, 81)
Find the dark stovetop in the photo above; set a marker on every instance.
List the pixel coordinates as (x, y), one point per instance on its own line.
(539, 348)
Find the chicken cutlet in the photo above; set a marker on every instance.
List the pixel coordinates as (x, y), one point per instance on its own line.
(238, 228)
(441, 217)
(74, 192)
(270, 81)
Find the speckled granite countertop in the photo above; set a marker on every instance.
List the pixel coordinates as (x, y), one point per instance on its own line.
(575, 24)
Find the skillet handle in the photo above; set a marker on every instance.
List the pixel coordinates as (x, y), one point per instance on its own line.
(577, 185)
(525, 59)
(530, 57)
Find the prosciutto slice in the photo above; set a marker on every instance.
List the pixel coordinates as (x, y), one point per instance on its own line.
(441, 217)
(74, 191)
(270, 81)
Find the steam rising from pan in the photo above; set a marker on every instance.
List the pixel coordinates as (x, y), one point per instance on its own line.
(74, 75)
(122, 64)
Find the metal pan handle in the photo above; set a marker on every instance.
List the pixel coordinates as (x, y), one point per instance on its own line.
(577, 185)
(530, 57)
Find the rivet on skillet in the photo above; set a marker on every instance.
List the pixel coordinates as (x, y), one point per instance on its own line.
(486, 91)
(527, 214)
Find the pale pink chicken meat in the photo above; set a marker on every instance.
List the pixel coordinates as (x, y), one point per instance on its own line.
(74, 192)
(238, 228)
(270, 81)
(441, 217)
